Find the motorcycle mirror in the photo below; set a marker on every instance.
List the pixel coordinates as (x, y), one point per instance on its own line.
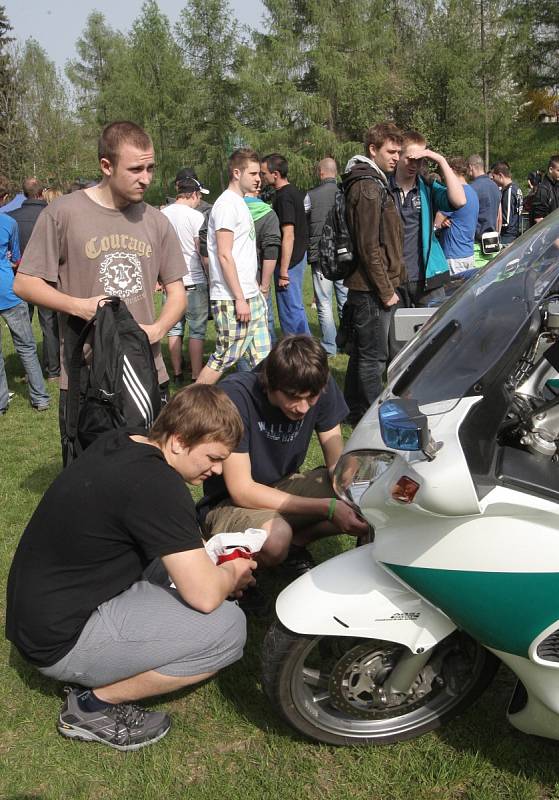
(403, 426)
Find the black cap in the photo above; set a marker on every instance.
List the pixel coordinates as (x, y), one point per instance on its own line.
(188, 174)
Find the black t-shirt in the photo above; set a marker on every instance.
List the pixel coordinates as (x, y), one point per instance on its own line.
(276, 444)
(115, 509)
(289, 205)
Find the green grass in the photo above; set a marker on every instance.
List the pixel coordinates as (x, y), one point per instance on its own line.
(226, 742)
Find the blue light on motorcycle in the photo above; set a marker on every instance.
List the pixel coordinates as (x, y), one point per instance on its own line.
(403, 426)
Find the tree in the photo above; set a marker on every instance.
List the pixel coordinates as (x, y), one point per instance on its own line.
(12, 141)
(98, 48)
(52, 134)
(209, 37)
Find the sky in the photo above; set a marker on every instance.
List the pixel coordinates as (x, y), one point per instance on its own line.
(57, 24)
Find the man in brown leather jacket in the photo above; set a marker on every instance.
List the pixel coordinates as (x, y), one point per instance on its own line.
(376, 230)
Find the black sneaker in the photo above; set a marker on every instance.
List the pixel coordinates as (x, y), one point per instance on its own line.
(298, 561)
(125, 726)
(178, 379)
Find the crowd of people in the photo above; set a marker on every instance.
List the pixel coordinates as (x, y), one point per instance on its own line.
(111, 588)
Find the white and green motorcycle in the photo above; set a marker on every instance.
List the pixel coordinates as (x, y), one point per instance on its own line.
(456, 467)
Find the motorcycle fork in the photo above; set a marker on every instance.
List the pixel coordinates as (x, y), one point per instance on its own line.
(405, 672)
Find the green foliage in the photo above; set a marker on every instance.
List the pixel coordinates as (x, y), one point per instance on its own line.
(52, 134)
(209, 38)
(308, 84)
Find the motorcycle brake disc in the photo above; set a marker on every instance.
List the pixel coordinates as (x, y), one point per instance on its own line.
(357, 678)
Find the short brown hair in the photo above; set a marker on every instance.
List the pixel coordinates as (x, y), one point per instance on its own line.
(458, 165)
(297, 364)
(116, 134)
(553, 160)
(501, 168)
(199, 413)
(240, 158)
(32, 188)
(381, 133)
(413, 137)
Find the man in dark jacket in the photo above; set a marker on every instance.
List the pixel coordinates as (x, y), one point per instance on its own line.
(511, 202)
(376, 229)
(26, 216)
(318, 202)
(546, 197)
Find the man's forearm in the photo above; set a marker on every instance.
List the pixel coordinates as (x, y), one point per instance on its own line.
(454, 189)
(41, 293)
(287, 243)
(258, 495)
(268, 267)
(174, 308)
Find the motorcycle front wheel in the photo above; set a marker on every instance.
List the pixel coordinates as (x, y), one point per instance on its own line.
(331, 688)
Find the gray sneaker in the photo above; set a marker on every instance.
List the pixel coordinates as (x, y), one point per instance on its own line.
(125, 726)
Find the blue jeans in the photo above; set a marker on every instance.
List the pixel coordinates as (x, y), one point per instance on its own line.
(291, 310)
(17, 320)
(369, 325)
(323, 293)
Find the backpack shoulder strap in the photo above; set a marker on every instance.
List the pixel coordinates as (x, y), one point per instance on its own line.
(74, 379)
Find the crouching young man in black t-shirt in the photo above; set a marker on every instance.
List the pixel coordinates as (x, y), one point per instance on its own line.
(79, 605)
(281, 402)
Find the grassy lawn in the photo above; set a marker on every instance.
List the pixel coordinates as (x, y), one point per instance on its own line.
(226, 742)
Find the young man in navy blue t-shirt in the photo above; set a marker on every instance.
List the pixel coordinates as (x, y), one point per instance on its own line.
(281, 403)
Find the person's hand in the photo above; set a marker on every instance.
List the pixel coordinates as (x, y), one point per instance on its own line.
(393, 300)
(348, 521)
(441, 221)
(86, 307)
(153, 332)
(283, 283)
(242, 310)
(241, 570)
(425, 153)
(265, 290)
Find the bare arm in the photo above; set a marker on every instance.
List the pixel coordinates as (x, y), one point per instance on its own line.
(224, 239)
(172, 311)
(287, 243)
(41, 293)
(201, 583)
(247, 493)
(454, 189)
(332, 444)
(268, 267)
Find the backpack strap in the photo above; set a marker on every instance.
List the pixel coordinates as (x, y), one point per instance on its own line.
(74, 372)
(74, 378)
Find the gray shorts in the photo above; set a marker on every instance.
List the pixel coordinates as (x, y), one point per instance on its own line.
(149, 627)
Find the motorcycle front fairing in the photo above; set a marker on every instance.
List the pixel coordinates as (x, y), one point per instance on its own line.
(453, 543)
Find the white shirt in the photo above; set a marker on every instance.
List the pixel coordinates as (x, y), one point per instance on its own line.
(187, 223)
(230, 213)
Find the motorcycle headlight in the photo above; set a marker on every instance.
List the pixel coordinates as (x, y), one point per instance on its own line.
(357, 470)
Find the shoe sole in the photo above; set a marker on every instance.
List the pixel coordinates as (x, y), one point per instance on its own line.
(70, 732)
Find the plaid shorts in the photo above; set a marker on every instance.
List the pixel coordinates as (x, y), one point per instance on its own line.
(235, 339)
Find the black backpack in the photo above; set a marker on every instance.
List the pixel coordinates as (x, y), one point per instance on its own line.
(336, 258)
(118, 387)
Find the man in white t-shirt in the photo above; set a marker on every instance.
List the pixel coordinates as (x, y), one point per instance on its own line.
(238, 307)
(187, 221)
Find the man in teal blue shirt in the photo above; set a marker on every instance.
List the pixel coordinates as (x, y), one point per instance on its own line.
(418, 201)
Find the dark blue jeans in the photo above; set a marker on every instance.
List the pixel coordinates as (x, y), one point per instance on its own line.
(369, 329)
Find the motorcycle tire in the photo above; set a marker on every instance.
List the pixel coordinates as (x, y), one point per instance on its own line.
(322, 685)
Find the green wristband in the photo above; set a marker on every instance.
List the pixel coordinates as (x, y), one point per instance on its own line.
(331, 509)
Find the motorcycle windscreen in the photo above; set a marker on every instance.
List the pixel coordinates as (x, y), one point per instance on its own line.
(472, 331)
